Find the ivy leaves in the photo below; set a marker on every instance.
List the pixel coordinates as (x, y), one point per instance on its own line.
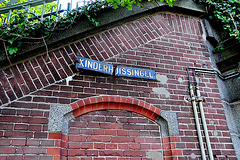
(23, 30)
(128, 3)
(20, 29)
(228, 13)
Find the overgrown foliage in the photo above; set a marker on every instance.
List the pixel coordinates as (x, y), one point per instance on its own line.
(227, 12)
(37, 10)
(21, 29)
(129, 3)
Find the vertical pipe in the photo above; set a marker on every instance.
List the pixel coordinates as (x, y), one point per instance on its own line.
(69, 7)
(9, 15)
(197, 123)
(209, 148)
(77, 5)
(4, 21)
(196, 118)
(57, 7)
(60, 7)
(51, 12)
(43, 10)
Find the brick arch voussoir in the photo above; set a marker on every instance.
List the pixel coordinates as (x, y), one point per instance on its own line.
(115, 103)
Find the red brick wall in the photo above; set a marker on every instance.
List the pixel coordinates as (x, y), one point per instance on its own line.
(112, 135)
(164, 42)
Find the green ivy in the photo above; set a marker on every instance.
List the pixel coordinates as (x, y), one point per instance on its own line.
(129, 3)
(227, 12)
(22, 30)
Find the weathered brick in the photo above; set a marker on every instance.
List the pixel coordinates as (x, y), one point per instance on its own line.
(110, 126)
(15, 157)
(122, 139)
(7, 150)
(3, 96)
(4, 142)
(41, 76)
(31, 150)
(53, 151)
(29, 81)
(111, 153)
(77, 138)
(40, 135)
(21, 127)
(92, 153)
(34, 120)
(47, 143)
(134, 153)
(99, 145)
(98, 139)
(164, 42)
(18, 134)
(76, 152)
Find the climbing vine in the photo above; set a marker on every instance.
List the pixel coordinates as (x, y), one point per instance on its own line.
(129, 3)
(227, 12)
(23, 28)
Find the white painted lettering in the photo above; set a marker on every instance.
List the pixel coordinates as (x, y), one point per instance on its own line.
(129, 71)
(81, 62)
(146, 73)
(136, 73)
(100, 67)
(95, 65)
(141, 73)
(150, 75)
(110, 69)
(105, 67)
(90, 64)
(123, 71)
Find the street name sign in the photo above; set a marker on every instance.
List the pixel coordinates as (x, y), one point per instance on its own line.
(93, 65)
(135, 72)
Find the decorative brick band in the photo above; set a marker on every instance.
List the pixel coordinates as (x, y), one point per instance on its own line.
(115, 103)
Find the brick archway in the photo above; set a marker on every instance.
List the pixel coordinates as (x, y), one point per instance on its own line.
(166, 121)
(112, 135)
(115, 103)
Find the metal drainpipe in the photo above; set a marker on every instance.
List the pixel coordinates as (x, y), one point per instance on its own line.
(205, 129)
(199, 99)
(193, 100)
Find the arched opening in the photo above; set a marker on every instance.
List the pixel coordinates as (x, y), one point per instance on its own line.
(114, 134)
(125, 127)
